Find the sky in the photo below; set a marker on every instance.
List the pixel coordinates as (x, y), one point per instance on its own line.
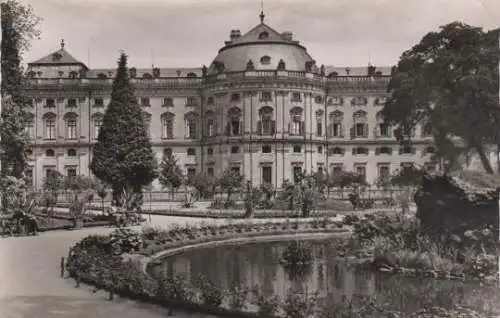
(189, 33)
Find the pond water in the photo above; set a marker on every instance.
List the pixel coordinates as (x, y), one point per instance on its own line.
(331, 277)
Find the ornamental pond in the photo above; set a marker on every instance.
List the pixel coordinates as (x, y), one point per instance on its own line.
(333, 278)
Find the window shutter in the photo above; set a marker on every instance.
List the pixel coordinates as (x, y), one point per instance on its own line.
(259, 127)
(273, 127)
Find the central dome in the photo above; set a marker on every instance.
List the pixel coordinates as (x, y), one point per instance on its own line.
(263, 48)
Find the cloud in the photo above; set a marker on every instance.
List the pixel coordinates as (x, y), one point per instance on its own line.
(190, 32)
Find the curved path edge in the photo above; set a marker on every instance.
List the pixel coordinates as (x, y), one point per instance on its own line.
(146, 261)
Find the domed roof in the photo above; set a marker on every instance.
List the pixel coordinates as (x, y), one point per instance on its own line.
(264, 47)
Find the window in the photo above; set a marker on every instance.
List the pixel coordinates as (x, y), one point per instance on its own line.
(234, 127)
(97, 120)
(336, 129)
(71, 124)
(235, 97)
(266, 149)
(210, 127)
(191, 172)
(320, 169)
(266, 97)
(210, 151)
(337, 170)
(98, 102)
(383, 150)
(235, 149)
(360, 151)
(296, 97)
(71, 152)
(71, 172)
(28, 153)
(297, 174)
(320, 149)
(266, 126)
(265, 60)
(71, 103)
(191, 75)
(191, 101)
(191, 127)
(361, 171)
(145, 102)
(318, 99)
(267, 175)
(191, 152)
(337, 101)
(102, 76)
(297, 149)
(50, 103)
(263, 35)
(49, 171)
(406, 150)
(50, 126)
(384, 130)
(147, 76)
(210, 100)
(29, 127)
(430, 150)
(50, 153)
(146, 117)
(359, 101)
(337, 151)
(383, 170)
(210, 171)
(360, 128)
(235, 170)
(168, 102)
(167, 126)
(319, 129)
(167, 152)
(29, 176)
(296, 125)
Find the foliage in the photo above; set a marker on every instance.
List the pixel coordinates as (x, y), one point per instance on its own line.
(13, 141)
(211, 294)
(15, 195)
(81, 190)
(170, 175)
(203, 183)
(101, 189)
(268, 306)
(448, 81)
(408, 176)
(122, 156)
(297, 258)
(299, 306)
(54, 181)
(190, 196)
(238, 297)
(125, 241)
(347, 179)
(229, 181)
(268, 191)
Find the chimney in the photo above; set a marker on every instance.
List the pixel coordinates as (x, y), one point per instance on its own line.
(287, 35)
(235, 34)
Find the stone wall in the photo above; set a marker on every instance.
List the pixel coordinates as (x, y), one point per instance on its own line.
(460, 202)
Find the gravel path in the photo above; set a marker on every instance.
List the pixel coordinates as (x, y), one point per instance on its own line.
(30, 285)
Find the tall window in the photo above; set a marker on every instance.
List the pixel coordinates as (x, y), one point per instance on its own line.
(319, 123)
(267, 174)
(266, 126)
(382, 129)
(360, 128)
(361, 170)
(71, 124)
(191, 125)
(383, 170)
(336, 128)
(337, 169)
(234, 122)
(167, 125)
(30, 127)
(210, 127)
(146, 117)
(97, 123)
(297, 174)
(50, 126)
(296, 124)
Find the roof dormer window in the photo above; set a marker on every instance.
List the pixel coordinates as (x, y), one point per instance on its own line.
(263, 35)
(265, 60)
(56, 57)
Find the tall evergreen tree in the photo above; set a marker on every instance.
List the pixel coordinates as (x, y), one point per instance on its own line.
(19, 26)
(123, 157)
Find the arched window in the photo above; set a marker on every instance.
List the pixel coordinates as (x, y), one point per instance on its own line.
(265, 60)
(335, 126)
(191, 152)
(382, 129)
(360, 128)
(263, 35)
(233, 127)
(28, 153)
(73, 74)
(191, 75)
(337, 151)
(102, 76)
(29, 127)
(50, 153)
(71, 152)
(147, 76)
(296, 125)
(266, 126)
(167, 125)
(71, 125)
(50, 126)
(97, 123)
(319, 122)
(191, 121)
(360, 151)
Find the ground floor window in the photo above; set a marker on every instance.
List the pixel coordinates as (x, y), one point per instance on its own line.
(235, 170)
(267, 174)
(297, 174)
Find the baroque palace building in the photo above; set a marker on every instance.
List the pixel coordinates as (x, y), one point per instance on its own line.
(263, 108)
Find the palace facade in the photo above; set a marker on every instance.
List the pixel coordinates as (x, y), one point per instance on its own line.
(263, 107)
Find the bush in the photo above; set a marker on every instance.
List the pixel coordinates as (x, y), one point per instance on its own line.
(125, 241)
(211, 294)
(299, 306)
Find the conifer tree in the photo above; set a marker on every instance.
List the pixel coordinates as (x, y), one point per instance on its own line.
(122, 156)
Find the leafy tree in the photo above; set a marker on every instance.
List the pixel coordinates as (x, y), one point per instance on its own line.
(203, 183)
(54, 182)
(229, 181)
(408, 176)
(448, 81)
(170, 175)
(123, 157)
(101, 190)
(81, 190)
(348, 179)
(320, 180)
(19, 26)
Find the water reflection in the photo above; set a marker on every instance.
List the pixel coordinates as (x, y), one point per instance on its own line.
(259, 264)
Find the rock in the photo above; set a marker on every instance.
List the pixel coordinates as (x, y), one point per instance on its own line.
(458, 203)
